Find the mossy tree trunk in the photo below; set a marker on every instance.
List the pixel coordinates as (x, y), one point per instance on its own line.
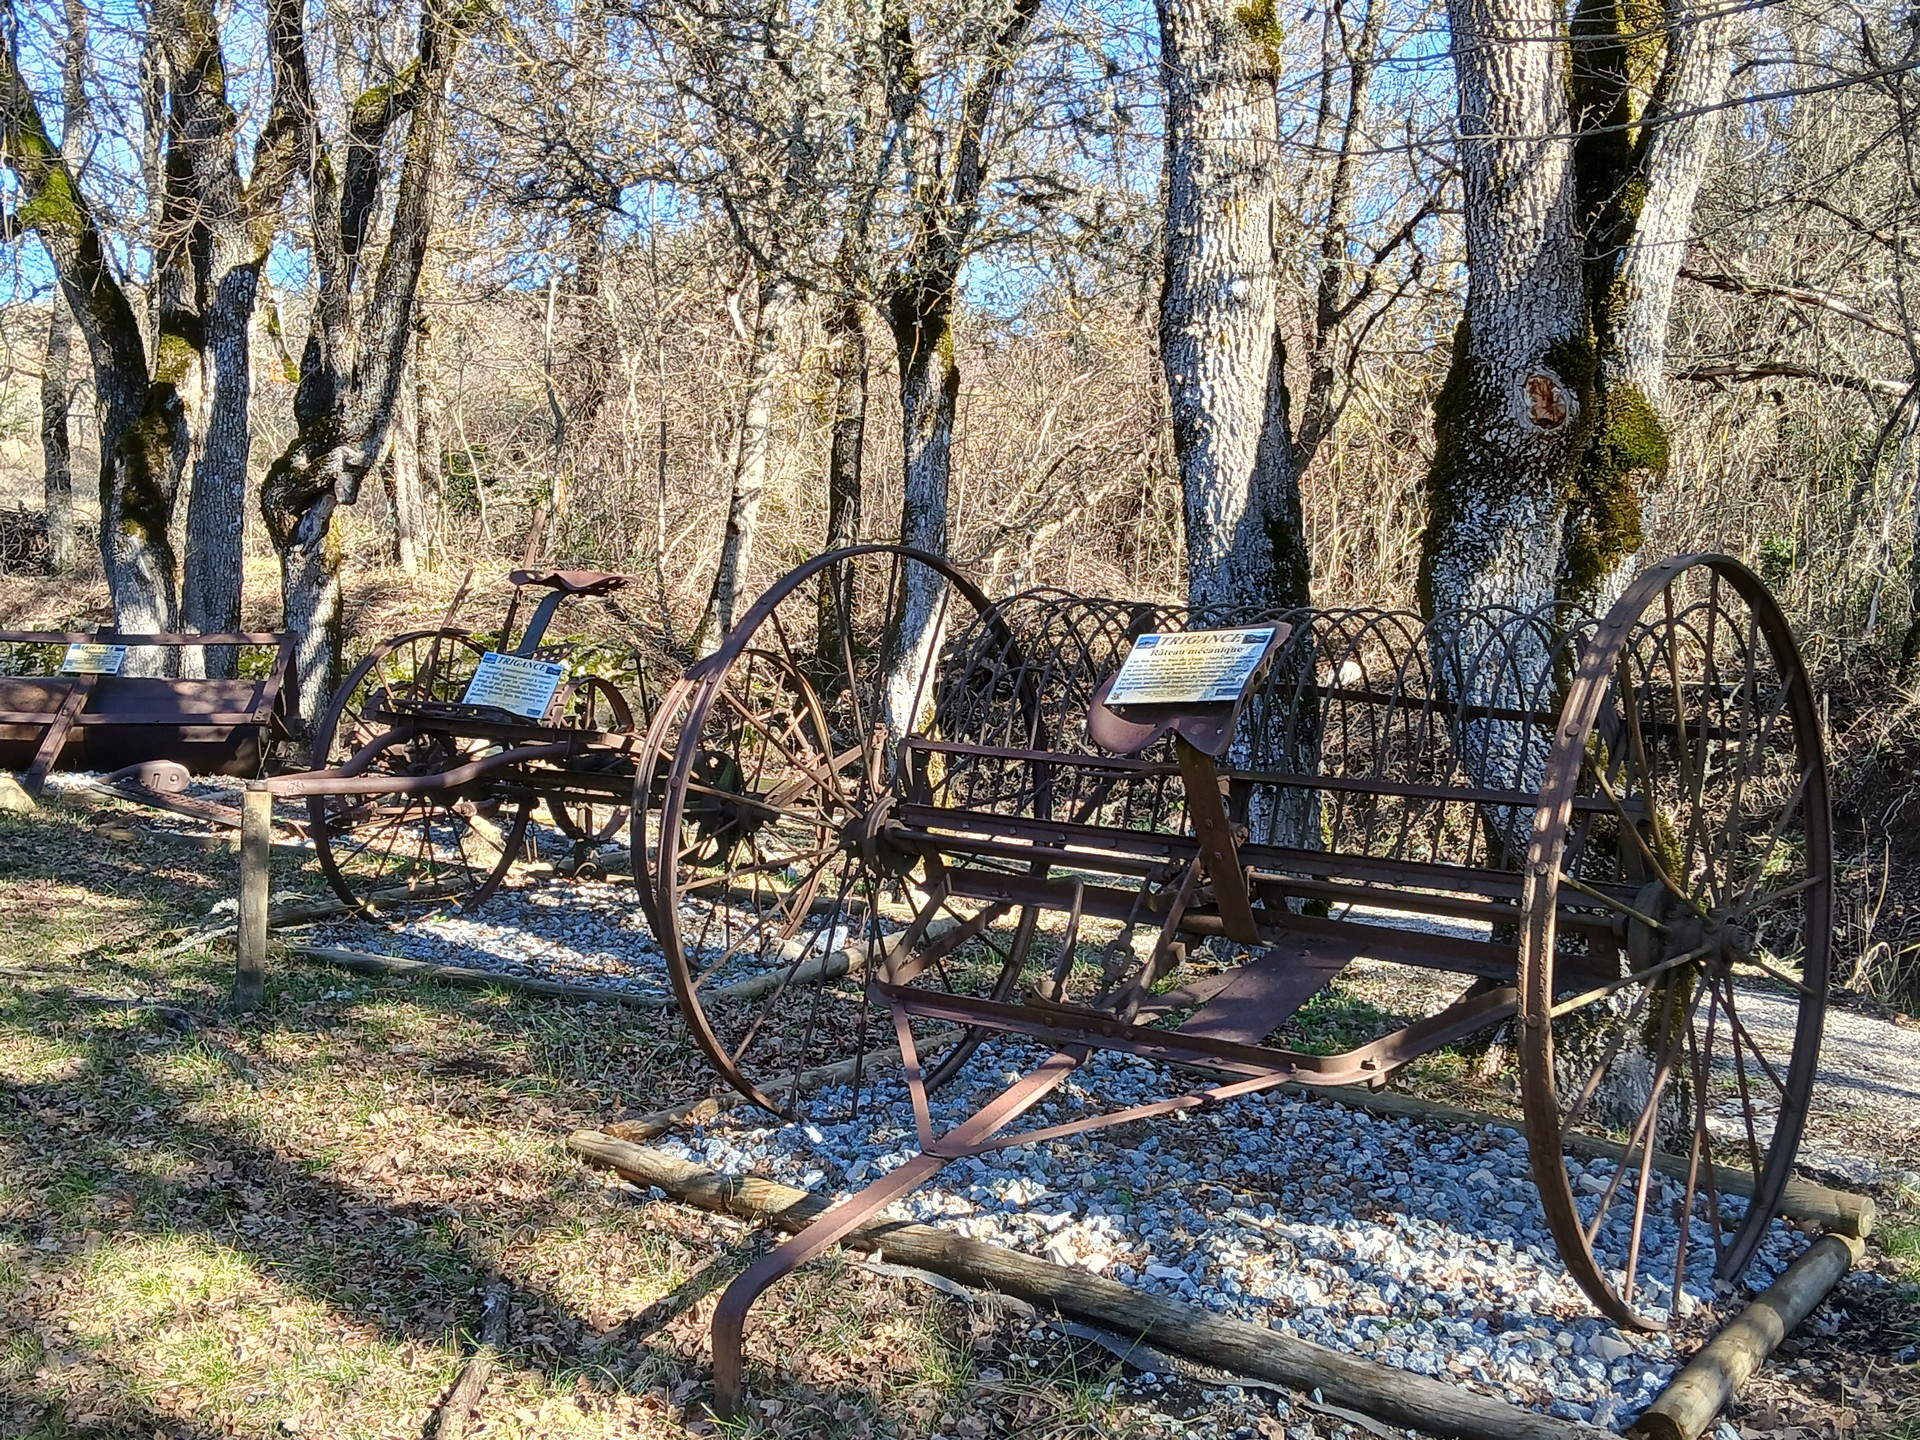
(1549, 428)
(353, 363)
(184, 398)
(1220, 343)
(1549, 425)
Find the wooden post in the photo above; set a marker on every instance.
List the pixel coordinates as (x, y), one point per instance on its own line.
(256, 851)
(1686, 1409)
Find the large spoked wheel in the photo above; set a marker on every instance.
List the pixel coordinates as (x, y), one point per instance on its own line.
(778, 887)
(397, 849)
(593, 703)
(1686, 802)
(652, 767)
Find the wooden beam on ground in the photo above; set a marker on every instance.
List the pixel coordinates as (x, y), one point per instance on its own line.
(393, 965)
(1687, 1407)
(1394, 1396)
(256, 875)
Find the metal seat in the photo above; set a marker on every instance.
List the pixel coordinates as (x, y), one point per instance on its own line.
(571, 582)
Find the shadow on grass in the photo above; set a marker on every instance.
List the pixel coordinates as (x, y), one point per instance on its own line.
(118, 1182)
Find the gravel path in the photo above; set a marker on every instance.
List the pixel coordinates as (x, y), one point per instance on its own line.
(1863, 1126)
(592, 931)
(1412, 1244)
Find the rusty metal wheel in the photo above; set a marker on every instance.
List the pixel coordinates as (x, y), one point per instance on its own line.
(592, 702)
(1685, 802)
(650, 791)
(776, 887)
(395, 850)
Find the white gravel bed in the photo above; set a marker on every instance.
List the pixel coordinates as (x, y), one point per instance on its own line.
(590, 931)
(561, 928)
(1408, 1243)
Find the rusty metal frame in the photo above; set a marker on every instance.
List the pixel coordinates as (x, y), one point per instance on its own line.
(1203, 879)
(533, 760)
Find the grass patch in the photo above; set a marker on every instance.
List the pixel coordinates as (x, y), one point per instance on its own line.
(284, 1222)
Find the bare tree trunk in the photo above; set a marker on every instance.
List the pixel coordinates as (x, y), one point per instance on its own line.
(214, 573)
(210, 235)
(342, 416)
(56, 440)
(922, 323)
(1220, 342)
(431, 542)
(750, 448)
(1639, 176)
(920, 314)
(1549, 426)
(404, 490)
(847, 363)
(1508, 417)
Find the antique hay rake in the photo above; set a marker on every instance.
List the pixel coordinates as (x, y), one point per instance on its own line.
(437, 751)
(1608, 837)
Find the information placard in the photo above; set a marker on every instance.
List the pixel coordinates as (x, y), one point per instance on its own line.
(515, 684)
(89, 659)
(1191, 667)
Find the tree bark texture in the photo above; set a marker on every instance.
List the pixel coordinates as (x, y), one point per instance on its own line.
(922, 322)
(136, 497)
(56, 439)
(1549, 425)
(1509, 414)
(847, 365)
(1220, 342)
(183, 398)
(432, 541)
(751, 443)
(847, 362)
(405, 491)
(352, 366)
(920, 309)
(1638, 187)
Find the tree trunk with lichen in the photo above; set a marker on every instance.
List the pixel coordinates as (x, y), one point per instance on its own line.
(1220, 342)
(752, 442)
(56, 438)
(183, 398)
(217, 500)
(847, 364)
(342, 415)
(406, 492)
(1549, 427)
(921, 318)
(1507, 419)
(920, 307)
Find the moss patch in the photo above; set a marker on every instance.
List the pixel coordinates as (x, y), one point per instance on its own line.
(1262, 23)
(1628, 446)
